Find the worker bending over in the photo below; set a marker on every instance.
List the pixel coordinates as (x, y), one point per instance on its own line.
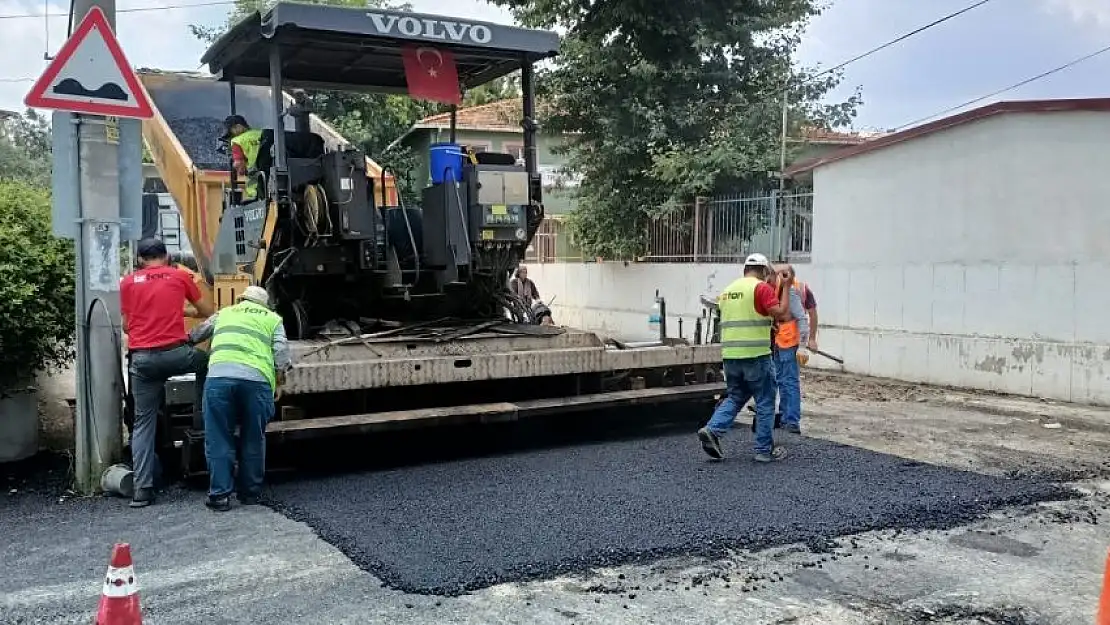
(748, 307)
(248, 362)
(152, 305)
(245, 142)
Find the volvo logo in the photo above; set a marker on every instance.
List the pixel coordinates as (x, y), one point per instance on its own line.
(425, 28)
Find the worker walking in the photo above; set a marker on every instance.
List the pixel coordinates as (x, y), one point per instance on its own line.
(245, 143)
(152, 305)
(248, 362)
(748, 307)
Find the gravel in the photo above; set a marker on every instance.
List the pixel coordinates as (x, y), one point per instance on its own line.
(453, 527)
(200, 138)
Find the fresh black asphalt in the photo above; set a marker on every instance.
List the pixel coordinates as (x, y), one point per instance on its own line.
(450, 527)
(199, 136)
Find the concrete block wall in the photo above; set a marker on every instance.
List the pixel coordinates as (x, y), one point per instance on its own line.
(1033, 329)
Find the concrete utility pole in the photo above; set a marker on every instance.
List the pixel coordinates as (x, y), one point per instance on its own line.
(99, 437)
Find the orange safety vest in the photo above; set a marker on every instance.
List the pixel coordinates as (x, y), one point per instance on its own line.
(786, 332)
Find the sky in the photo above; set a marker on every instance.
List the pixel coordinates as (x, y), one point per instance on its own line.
(989, 48)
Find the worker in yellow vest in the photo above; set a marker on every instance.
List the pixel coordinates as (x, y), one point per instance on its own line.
(245, 143)
(249, 356)
(748, 307)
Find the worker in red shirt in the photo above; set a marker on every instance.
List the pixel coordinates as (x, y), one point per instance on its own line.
(152, 303)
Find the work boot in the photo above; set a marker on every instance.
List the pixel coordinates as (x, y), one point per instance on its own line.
(778, 453)
(248, 500)
(711, 443)
(219, 504)
(794, 428)
(143, 497)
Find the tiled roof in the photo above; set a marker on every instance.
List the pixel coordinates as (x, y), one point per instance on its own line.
(500, 116)
(832, 137)
(504, 116)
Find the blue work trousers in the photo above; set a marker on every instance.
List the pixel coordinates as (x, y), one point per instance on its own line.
(788, 378)
(745, 379)
(228, 403)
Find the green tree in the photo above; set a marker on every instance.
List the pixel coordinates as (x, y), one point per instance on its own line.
(666, 100)
(25, 149)
(36, 286)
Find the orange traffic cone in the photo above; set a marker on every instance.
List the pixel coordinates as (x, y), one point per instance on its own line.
(119, 601)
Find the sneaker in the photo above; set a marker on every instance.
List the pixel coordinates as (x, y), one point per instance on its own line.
(711, 443)
(778, 453)
(219, 504)
(143, 497)
(794, 428)
(248, 500)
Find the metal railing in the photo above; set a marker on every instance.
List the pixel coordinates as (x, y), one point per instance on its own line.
(725, 229)
(721, 229)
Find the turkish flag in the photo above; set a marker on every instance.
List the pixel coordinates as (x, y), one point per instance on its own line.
(431, 74)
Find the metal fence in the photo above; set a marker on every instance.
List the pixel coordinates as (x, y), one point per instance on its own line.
(722, 229)
(727, 228)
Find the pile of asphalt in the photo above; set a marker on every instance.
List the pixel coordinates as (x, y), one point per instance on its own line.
(200, 138)
(457, 526)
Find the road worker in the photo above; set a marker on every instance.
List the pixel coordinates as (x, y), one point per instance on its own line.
(152, 305)
(523, 287)
(789, 336)
(748, 307)
(245, 142)
(247, 366)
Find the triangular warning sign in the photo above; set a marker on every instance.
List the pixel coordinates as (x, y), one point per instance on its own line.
(90, 75)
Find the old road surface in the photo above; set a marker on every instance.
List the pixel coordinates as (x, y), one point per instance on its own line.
(905, 505)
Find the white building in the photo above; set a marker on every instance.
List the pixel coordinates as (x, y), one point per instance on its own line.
(972, 251)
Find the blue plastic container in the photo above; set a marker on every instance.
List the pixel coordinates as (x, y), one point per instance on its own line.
(445, 160)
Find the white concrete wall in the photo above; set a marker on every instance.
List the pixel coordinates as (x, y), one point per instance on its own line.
(1023, 188)
(973, 326)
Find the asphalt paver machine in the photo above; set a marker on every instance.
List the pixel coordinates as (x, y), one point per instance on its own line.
(399, 315)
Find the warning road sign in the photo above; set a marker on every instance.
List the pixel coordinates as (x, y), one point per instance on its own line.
(90, 75)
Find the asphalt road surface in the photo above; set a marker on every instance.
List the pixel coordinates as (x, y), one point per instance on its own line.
(1034, 564)
(457, 526)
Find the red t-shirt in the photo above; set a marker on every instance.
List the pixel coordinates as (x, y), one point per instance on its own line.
(153, 300)
(765, 298)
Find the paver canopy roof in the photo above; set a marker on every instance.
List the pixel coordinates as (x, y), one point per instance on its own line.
(359, 49)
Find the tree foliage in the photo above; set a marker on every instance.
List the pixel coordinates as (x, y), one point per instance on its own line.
(663, 100)
(25, 149)
(36, 286)
(371, 122)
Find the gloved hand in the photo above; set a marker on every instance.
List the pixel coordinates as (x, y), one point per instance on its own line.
(802, 356)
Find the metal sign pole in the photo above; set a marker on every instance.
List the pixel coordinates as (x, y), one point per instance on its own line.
(99, 416)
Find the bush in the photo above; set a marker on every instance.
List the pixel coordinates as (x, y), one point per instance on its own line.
(36, 287)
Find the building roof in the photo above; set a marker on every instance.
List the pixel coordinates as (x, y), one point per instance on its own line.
(504, 116)
(499, 116)
(991, 110)
(820, 136)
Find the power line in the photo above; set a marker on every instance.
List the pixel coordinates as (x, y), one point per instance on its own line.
(17, 80)
(167, 7)
(1016, 85)
(900, 38)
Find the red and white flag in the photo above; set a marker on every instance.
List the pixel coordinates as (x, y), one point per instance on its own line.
(431, 74)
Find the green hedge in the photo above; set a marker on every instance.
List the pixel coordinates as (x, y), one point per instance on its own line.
(36, 287)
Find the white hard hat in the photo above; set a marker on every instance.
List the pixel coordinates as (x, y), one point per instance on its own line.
(256, 294)
(757, 260)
